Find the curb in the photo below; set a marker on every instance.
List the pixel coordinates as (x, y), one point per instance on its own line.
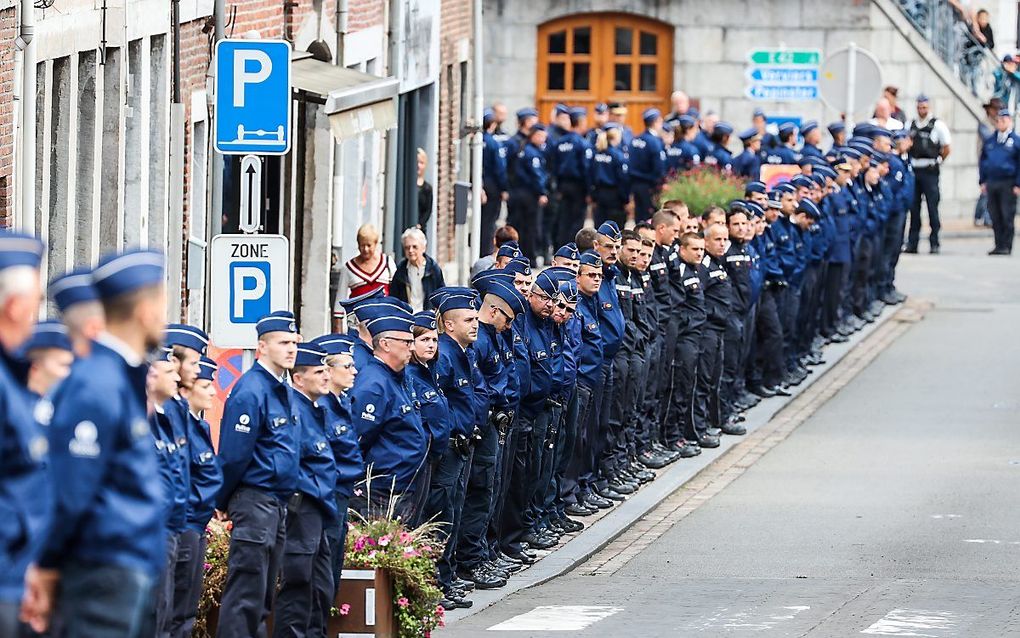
(606, 529)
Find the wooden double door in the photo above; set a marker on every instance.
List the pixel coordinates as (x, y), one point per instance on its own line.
(605, 57)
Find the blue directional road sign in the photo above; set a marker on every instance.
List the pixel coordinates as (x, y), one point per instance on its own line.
(253, 101)
(781, 92)
(785, 76)
(250, 277)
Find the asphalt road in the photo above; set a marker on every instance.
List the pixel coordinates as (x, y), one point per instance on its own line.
(891, 511)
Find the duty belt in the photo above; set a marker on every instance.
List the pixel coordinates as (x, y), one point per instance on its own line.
(925, 162)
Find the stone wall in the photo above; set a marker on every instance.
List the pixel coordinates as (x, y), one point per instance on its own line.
(711, 45)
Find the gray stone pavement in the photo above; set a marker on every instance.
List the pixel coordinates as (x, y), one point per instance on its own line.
(890, 511)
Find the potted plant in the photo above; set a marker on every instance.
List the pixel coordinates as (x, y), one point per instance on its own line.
(703, 187)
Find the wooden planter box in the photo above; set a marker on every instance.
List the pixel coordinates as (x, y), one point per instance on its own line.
(370, 594)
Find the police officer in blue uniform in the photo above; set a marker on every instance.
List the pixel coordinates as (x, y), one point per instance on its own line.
(837, 131)
(48, 354)
(24, 481)
(999, 177)
(568, 160)
(109, 497)
(748, 163)
(259, 450)
(206, 479)
(393, 440)
(720, 155)
(647, 165)
(530, 192)
(684, 136)
(784, 152)
(501, 304)
(495, 183)
(306, 579)
(812, 138)
(610, 178)
(760, 122)
(350, 466)
(79, 307)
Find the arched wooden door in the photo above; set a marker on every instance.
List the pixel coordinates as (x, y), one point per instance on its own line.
(605, 57)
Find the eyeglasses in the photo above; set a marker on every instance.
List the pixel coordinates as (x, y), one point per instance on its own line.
(609, 246)
(543, 297)
(566, 308)
(344, 366)
(406, 342)
(509, 318)
(591, 275)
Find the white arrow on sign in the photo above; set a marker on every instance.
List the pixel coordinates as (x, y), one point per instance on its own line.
(251, 194)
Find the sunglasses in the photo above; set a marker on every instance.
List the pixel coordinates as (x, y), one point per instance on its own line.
(344, 366)
(509, 319)
(566, 308)
(592, 275)
(406, 342)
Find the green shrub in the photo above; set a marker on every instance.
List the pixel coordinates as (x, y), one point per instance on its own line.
(703, 187)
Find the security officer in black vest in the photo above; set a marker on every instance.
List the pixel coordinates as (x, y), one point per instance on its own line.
(930, 148)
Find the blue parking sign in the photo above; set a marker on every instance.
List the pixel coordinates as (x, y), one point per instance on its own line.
(249, 277)
(250, 291)
(253, 97)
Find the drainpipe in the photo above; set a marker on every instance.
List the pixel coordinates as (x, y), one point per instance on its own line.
(337, 227)
(26, 182)
(476, 147)
(216, 209)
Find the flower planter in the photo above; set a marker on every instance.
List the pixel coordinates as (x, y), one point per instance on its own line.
(365, 605)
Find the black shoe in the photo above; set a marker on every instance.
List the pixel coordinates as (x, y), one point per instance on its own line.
(538, 541)
(447, 603)
(779, 391)
(523, 557)
(644, 476)
(998, 251)
(649, 459)
(713, 431)
(597, 501)
(763, 391)
(733, 429)
(610, 494)
(910, 250)
(839, 337)
(462, 603)
(708, 441)
(463, 585)
(571, 525)
(508, 566)
(576, 509)
(483, 577)
(934, 250)
(620, 487)
(685, 450)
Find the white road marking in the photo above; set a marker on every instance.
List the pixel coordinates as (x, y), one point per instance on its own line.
(915, 622)
(754, 620)
(557, 618)
(938, 516)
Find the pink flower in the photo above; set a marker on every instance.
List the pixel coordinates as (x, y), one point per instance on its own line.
(360, 544)
(384, 540)
(372, 554)
(426, 548)
(345, 609)
(403, 602)
(442, 623)
(405, 537)
(440, 610)
(207, 566)
(411, 552)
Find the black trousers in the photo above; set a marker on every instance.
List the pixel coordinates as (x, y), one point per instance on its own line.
(809, 315)
(608, 206)
(648, 408)
(337, 536)
(685, 384)
(670, 428)
(859, 288)
(833, 301)
(567, 447)
(472, 547)
(188, 574)
(501, 487)
(306, 582)
(621, 397)
(892, 247)
(570, 210)
(490, 215)
(926, 186)
(644, 206)
(769, 336)
(256, 553)
(1002, 209)
(163, 594)
(730, 380)
(525, 214)
(444, 506)
(579, 463)
(521, 458)
(707, 408)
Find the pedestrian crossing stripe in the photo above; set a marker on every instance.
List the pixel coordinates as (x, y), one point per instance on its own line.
(915, 622)
(557, 618)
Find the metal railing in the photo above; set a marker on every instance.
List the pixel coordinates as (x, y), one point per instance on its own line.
(952, 39)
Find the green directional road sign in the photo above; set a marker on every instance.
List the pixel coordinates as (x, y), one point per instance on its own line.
(807, 57)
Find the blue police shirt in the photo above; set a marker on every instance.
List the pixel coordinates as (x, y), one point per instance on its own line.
(493, 365)
(1000, 160)
(454, 373)
(317, 473)
(647, 158)
(109, 498)
(610, 170)
(259, 438)
(26, 505)
(350, 466)
(206, 474)
(494, 164)
(536, 336)
(610, 315)
(590, 355)
(837, 207)
(569, 158)
(747, 164)
(166, 423)
(782, 155)
(531, 170)
(393, 440)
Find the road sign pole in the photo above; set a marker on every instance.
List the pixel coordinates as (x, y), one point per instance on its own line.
(851, 81)
(250, 218)
(247, 360)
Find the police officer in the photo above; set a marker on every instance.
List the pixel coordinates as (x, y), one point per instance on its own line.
(206, 480)
(48, 353)
(784, 152)
(501, 304)
(999, 176)
(768, 139)
(647, 165)
(455, 370)
(79, 307)
(24, 482)
(350, 466)
(748, 163)
(393, 441)
(838, 256)
(684, 135)
(737, 262)
(837, 130)
(495, 185)
(109, 496)
(530, 190)
(259, 451)
(568, 159)
(895, 230)
(720, 156)
(931, 145)
(610, 177)
(306, 579)
(599, 121)
(812, 138)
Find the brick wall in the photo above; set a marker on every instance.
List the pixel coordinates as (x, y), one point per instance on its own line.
(8, 31)
(455, 18)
